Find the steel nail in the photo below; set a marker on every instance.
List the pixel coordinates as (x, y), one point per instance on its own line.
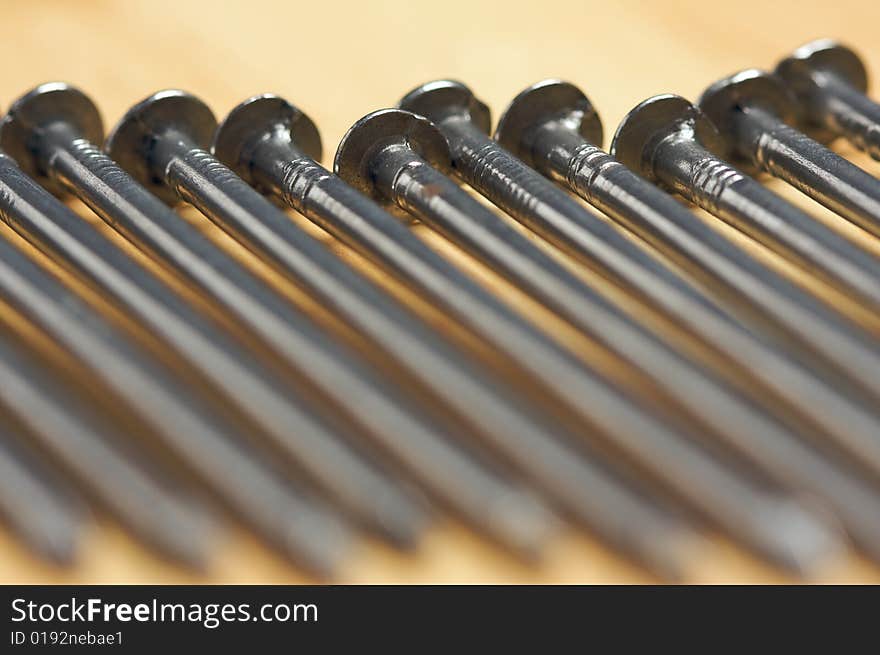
(830, 81)
(681, 465)
(521, 523)
(297, 525)
(755, 112)
(58, 123)
(670, 141)
(585, 490)
(553, 127)
(534, 201)
(397, 157)
(38, 506)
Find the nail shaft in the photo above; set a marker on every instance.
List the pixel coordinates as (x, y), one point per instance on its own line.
(753, 109)
(826, 177)
(769, 219)
(298, 433)
(534, 201)
(398, 173)
(854, 115)
(190, 430)
(584, 490)
(639, 436)
(830, 81)
(42, 511)
(122, 479)
(548, 125)
(450, 474)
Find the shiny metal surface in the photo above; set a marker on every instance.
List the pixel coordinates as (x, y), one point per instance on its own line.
(534, 201)
(671, 142)
(299, 432)
(606, 413)
(830, 81)
(755, 111)
(399, 158)
(44, 512)
(557, 143)
(185, 425)
(586, 491)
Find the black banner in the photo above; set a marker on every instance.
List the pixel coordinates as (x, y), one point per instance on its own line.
(417, 619)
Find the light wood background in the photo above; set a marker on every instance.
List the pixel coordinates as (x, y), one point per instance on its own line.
(339, 61)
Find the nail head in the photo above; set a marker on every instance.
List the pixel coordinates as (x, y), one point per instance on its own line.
(444, 98)
(651, 120)
(257, 118)
(543, 102)
(46, 104)
(748, 88)
(131, 141)
(823, 55)
(383, 128)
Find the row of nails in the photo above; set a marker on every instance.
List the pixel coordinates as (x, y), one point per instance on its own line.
(783, 387)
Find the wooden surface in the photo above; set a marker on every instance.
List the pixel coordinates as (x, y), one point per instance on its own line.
(340, 60)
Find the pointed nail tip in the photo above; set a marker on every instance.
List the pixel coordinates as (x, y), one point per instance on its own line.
(188, 532)
(195, 554)
(402, 520)
(406, 535)
(799, 541)
(870, 549)
(665, 571)
(61, 550)
(524, 524)
(669, 554)
(57, 539)
(321, 547)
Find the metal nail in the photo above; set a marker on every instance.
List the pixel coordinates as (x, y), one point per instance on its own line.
(571, 479)
(830, 82)
(363, 225)
(38, 507)
(52, 120)
(70, 162)
(553, 127)
(396, 157)
(671, 142)
(533, 200)
(755, 112)
(295, 524)
(123, 479)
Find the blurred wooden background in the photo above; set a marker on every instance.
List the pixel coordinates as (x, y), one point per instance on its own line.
(341, 60)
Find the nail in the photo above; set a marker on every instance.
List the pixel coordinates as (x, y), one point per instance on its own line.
(754, 111)
(530, 198)
(49, 119)
(39, 508)
(298, 526)
(477, 493)
(377, 235)
(830, 82)
(670, 141)
(533, 200)
(261, 227)
(380, 411)
(396, 157)
(123, 479)
(553, 127)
